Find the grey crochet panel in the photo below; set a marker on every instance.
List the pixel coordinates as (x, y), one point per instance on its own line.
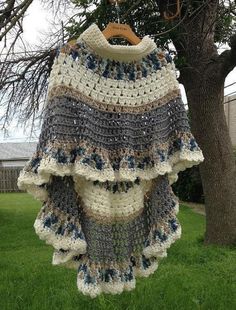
(68, 120)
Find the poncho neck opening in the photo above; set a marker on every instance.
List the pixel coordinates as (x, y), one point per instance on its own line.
(95, 39)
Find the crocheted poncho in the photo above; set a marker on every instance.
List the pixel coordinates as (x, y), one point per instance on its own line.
(115, 134)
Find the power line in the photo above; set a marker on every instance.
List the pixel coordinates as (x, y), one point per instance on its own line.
(230, 101)
(230, 85)
(234, 92)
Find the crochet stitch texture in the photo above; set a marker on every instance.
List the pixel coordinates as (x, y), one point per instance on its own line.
(115, 134)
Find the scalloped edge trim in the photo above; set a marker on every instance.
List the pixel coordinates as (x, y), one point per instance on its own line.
(109, 288)
(39, 193)
(63, 258)
(118, 287)
(159, 250)
(178, 162)
(58, 242)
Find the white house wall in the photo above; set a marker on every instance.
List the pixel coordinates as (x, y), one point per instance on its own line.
(230, 113)
(13, 163)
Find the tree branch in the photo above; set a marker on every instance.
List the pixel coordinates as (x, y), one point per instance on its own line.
(19, 13)
(228, 57)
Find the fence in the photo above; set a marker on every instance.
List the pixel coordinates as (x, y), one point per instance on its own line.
(8, 179)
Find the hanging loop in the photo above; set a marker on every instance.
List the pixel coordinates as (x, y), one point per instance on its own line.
(117, 11)
(117, 3)
(170, 17)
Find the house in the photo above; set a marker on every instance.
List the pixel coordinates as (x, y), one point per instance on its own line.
(230, 113)
(13, 157)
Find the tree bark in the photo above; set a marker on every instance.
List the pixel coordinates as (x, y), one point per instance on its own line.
(205, 93)
(203, 77)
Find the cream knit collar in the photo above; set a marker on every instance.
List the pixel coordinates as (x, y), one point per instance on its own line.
(95, 39)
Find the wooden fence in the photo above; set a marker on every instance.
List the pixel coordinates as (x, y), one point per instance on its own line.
(8, 179)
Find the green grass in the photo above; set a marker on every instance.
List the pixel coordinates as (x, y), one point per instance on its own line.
(193, 276)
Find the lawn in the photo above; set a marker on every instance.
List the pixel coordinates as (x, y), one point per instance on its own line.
(193, 276)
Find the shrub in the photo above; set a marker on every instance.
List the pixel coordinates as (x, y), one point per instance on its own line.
(188, 187)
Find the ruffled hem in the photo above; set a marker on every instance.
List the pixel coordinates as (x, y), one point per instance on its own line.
(113, 280)
(115, 287)
(57, 241)
(59, 229)
(112, 277)
(31, 181)
(108, 288)
(94, 279)
(125, 280)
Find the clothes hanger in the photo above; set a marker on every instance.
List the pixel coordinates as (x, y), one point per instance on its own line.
(120, 30)
(114, 30)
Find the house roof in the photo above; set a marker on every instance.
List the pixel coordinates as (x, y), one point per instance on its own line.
(17, 150)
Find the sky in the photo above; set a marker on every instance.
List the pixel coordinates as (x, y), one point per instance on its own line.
(36, 23)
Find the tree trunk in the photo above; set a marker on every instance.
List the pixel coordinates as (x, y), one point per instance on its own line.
(218, 171)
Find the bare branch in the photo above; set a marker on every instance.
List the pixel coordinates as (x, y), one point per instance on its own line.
(13, 15)
(23, 83)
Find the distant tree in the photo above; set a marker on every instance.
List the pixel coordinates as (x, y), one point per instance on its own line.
(24, 72)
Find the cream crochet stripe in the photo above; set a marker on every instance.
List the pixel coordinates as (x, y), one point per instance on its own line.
(68, 72)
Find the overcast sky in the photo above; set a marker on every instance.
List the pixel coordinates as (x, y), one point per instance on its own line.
(37, 21)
